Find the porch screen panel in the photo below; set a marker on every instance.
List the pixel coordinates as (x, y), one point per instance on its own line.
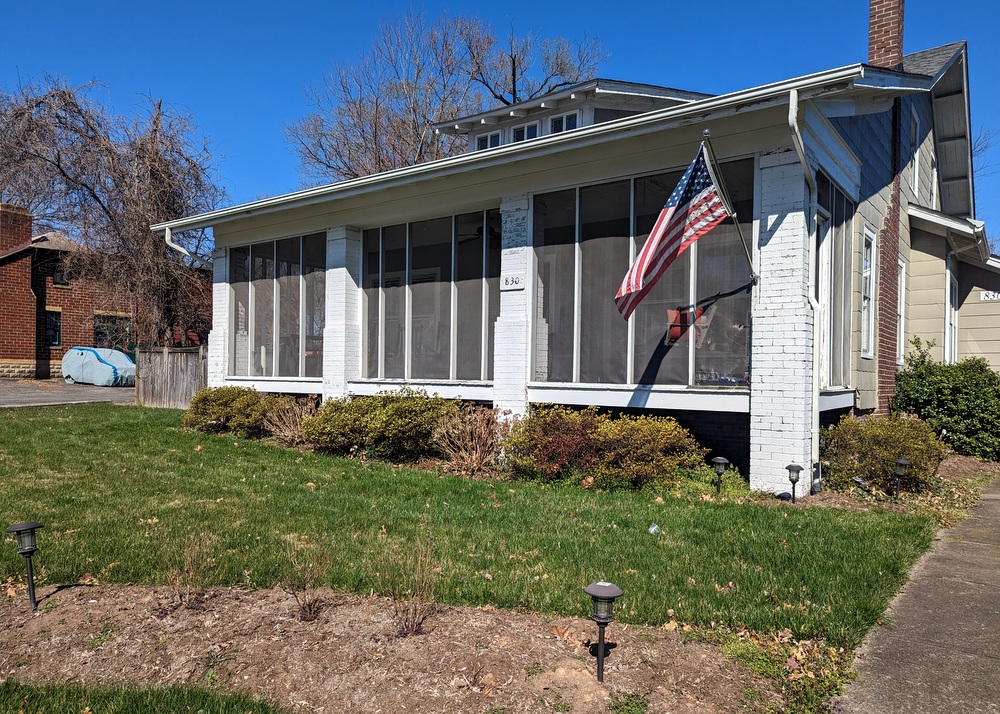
(469, 261)
(661, 346)
(722, 334)
(288, 268)
(314, 301)
(262, 359)
(370, 297)
(554, 242)
(493, 253)
(604, 251)
(394, 300)
(239, 325)
(430, 293)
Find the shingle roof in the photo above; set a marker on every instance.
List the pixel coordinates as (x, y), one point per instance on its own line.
(932, 62)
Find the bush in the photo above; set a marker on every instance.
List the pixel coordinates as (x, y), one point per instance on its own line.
(868, 448)
(470, 437)
(552, 443)
(962, 399)
(395, 426)
(633, 452)
(238, 410)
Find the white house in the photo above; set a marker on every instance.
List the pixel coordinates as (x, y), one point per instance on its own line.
(491, 275)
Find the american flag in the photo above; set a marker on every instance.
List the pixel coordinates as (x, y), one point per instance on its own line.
(693, 209)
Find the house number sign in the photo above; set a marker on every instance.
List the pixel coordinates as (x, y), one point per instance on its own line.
(511, 282)
(989, 296)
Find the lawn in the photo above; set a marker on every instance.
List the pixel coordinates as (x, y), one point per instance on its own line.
(128, 496)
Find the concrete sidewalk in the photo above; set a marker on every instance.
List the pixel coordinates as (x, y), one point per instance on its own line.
(939, 647)
(48, 392)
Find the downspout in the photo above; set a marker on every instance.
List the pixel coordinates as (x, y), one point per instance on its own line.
(793, 125)
(184, 251)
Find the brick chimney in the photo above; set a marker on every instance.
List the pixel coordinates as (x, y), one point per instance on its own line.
(15, 226)
(885, 33)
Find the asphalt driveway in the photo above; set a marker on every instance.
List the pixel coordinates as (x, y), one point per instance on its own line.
(46, 392)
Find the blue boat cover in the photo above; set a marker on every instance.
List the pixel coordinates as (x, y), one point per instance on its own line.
(96, 365)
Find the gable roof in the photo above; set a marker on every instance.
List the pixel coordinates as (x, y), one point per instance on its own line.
(46, 241)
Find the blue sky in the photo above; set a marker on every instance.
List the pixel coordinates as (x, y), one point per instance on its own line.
(242, 68)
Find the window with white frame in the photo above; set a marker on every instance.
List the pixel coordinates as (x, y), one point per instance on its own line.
(431, 296)
(563, 122)
(693, 326)
(951, 340)
(278, 307)
(834, 273)
(487, 141)
(524, 132)
(868, 282)
(901, 313)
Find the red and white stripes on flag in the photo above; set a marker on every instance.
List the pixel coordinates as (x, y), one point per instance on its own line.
(693, 209)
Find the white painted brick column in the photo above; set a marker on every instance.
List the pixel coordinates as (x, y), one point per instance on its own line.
(511, 356)
(781, 382)
(342, 333)
(218, 337)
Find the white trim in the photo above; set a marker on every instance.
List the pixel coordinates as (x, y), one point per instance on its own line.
(836, 399)
(648, 397)
(901, 312)
(474, 391)
(869, 282)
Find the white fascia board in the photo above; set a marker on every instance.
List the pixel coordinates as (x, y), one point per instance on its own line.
(949, 226)
(825, 144)
(704, 110)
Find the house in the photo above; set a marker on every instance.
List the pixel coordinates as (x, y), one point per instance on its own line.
(43, 311)
(490, 276)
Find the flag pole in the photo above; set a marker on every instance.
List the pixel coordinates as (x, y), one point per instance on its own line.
(713, 167)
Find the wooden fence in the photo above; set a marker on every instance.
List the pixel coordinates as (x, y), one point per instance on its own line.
(170, 377)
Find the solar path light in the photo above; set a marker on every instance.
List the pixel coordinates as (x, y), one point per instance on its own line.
(902, 466)
(26, 546)
(719, 463)
(603, 595)
(793, 477)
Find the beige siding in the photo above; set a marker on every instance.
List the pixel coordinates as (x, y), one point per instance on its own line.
(926, 291)
(978, 319)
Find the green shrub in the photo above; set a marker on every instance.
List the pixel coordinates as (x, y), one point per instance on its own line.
(962, 399)
(552, 442)
(868, 448)
(394, 426)
(238, 410)
(633, 452)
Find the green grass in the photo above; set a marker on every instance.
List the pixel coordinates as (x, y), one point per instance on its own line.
(124, 492)
(16, 698)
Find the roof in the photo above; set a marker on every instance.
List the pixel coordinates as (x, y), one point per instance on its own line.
(933, 62)
(966, 236)
(45, 241)
(551, 100)
(849, 80)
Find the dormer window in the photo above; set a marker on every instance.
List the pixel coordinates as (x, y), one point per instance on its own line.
(524, 132)
(488, 141)
(563, 122)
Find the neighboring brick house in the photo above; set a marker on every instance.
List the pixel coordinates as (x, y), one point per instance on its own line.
(42, 312)
(491, 275)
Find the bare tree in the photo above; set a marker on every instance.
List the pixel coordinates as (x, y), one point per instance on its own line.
(378, 114)
(102, 179)
(982, 166)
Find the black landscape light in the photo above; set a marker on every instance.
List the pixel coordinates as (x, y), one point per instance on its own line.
(902, 466)
(604, 595)
(719, 463)
(793, 477)
(26, 546)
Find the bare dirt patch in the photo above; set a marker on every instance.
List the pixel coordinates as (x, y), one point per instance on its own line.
(349, 658)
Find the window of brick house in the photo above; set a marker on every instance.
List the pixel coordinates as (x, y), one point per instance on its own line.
(53, 328)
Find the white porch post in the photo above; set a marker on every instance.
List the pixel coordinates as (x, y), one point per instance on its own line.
(781, 384)
(218, 336)
(342, 333)
(511, 351)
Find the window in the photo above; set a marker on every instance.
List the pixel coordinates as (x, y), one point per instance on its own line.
(584, 240)
(113, 332)
(834, 278)
(563, 122)
(431, 296)
(278, 307)
(524, 132)
(951, 337)
(53, 328)
(488, 141)
(901, 313)
(868, 273)
(59, 273)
